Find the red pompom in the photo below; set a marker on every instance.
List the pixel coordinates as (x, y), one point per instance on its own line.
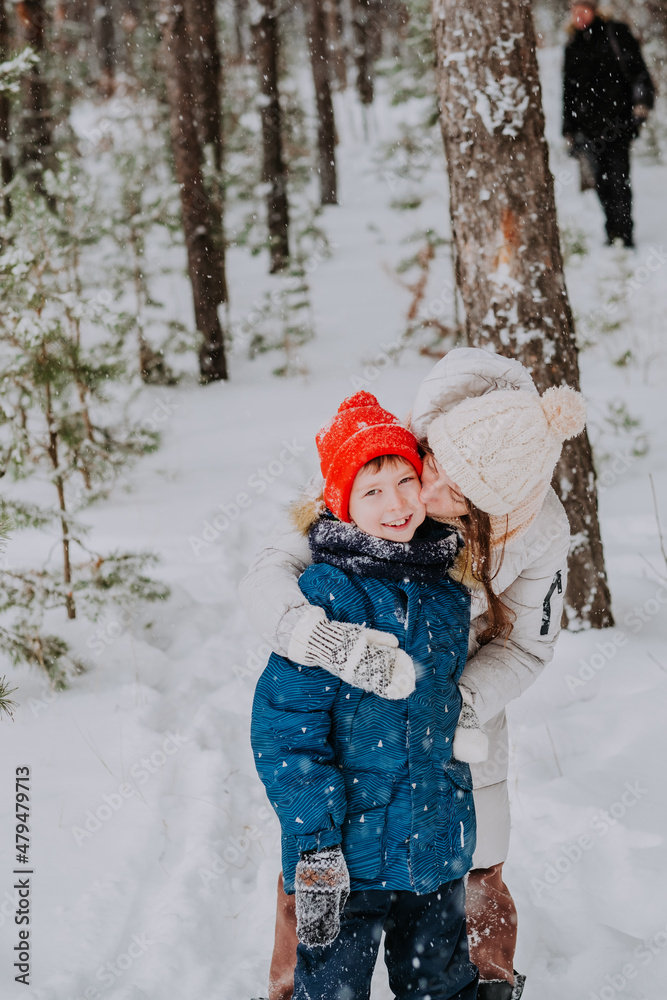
(361, 398)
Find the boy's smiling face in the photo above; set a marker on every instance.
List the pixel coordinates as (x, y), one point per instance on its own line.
(385, 502)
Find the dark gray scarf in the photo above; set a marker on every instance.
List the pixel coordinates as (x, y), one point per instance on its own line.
(425, 559)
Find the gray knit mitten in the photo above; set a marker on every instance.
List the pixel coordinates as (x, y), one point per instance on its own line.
(322, 888)
(360, 656)
(471, 744)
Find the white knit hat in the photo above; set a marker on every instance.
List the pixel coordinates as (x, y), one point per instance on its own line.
(501, 448)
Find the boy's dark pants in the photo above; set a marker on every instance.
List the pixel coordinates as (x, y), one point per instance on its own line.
(492, 929)
(426, 948)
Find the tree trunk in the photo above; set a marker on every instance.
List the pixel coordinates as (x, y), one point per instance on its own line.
(60, 488)
(129, 18)
(207, 70)
(6, 168)
(326, 134)
(265, 35)
(106, 47)
(397, 17)
(377, 17)
(81, 11)
(361, 17)
(240, 7)
(71, 12)
(335, 31)
(36, 141)
(131, 9)
(207, 78)
(509, 264)
(205, 258)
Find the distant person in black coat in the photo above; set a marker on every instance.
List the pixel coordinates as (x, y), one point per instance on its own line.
(607, 95)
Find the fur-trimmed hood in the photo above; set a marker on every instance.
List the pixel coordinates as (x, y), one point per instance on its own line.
(308, 506)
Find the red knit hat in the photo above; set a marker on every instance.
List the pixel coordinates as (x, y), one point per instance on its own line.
(360, 431)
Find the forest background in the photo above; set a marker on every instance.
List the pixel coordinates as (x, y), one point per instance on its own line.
(217, 221)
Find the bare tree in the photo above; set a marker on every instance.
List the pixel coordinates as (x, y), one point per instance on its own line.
(129, 20)
(509, 264)
(131, 9)
(326, 133)
(36, 130)
(207, 76)
(377, 18)
(274, 173)
(240, 17)
(333, 13)
(73, 20)
(205, 255)
(363, 45)
(6, 167)
(397, 17)
(207, 70)
(106, 47)
(81, 11)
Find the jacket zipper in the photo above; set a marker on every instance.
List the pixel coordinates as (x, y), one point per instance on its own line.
(410, 624)
(546, 607)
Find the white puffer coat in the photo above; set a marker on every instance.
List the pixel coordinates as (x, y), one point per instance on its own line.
(531, 579)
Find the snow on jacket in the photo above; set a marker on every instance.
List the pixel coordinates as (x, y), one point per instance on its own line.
(341, 765)
(604, 76)
(532, 578)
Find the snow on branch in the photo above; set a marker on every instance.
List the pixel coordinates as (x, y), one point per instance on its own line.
(13, 70)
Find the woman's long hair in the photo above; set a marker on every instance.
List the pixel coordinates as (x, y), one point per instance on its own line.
(476, 530)
(475, 526)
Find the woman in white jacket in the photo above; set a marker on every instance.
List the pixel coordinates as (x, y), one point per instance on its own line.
(476, 414)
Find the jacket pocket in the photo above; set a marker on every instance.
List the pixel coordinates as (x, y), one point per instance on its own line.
(364, 842)
(458, 817)
(459, 773)
(364, 829)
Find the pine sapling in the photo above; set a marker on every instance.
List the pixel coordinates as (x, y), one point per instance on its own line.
(146, 209)
(423, 316)
(7, 706)
(57, 372)
(285, 320)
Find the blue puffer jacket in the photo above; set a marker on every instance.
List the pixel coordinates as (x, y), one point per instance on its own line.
(343, 766)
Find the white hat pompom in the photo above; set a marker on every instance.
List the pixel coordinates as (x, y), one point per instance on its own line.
(565, 410)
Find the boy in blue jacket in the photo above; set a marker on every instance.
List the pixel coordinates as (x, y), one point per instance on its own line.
(378, 825)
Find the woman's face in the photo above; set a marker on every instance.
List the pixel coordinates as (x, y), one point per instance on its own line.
(439, 493)
(582, 15)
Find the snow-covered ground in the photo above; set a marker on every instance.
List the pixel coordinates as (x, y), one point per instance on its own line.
(154, 853)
